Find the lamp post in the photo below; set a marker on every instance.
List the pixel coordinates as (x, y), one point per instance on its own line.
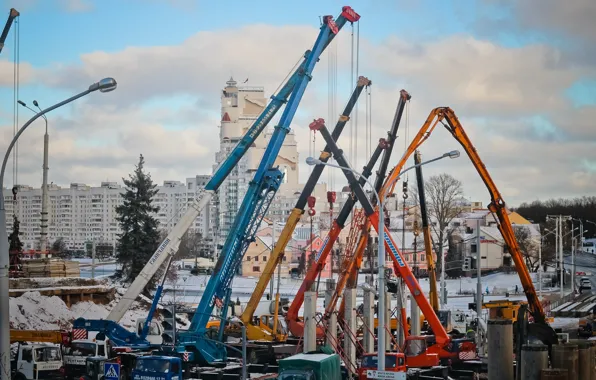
(104, 85)
(381, 248)
(43, 236)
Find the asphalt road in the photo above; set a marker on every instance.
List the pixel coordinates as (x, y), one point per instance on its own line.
(585, 262)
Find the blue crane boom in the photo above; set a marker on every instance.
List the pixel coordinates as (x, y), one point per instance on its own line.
(195, 343)
(169, 246)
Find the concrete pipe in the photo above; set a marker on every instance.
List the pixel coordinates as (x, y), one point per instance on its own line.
(534, 358)
(565, 356)
(500, 349)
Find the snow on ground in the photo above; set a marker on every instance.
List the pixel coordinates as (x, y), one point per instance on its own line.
(32, 311)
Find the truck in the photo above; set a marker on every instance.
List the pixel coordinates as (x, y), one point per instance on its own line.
(157, 368)
(78, 351)
(394, 362)
(310, 366)
(37, 361)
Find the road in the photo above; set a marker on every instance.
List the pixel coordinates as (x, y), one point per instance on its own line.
(585, 262)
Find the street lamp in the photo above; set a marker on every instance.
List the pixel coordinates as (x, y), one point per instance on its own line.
(381, 248)
(104, 85)
(43, 243)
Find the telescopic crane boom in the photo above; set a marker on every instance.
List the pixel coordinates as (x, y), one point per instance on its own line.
(349, 277)
(11, 16)
(433, 295)
(255, 332)
(197, 344)
(400, 265)
(296, 326)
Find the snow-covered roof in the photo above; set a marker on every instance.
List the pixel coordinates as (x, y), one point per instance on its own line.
(475, 214)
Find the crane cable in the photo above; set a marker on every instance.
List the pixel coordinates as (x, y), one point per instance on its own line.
(355, 162)
(16, 76)
(332, 99)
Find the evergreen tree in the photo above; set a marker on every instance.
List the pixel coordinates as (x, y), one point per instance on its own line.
(139, 237)
(14, 241)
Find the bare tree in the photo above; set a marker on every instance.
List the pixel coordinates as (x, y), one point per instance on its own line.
(528, 245)
(443, 203)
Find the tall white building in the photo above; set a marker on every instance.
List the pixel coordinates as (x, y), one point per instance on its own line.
(82, 213)
(240, 107)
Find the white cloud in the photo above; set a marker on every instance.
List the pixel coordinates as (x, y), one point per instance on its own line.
(493, 89)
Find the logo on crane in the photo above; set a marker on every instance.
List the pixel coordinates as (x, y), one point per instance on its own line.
(161, 248)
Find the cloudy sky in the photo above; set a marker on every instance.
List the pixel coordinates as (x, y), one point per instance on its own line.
(521, 76)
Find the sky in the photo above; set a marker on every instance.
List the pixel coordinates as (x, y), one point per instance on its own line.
(520, 76)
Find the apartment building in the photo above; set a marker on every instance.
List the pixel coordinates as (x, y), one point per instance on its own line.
(81, 213)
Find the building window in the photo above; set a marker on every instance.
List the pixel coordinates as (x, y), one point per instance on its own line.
(264, 258)
(256, 258)
(422, 257)
(256, 269)
(247, 258)
(473, 248)
(505, 249)
(469, 230)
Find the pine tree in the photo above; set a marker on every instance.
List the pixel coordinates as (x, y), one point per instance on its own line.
(14, 241)
(139, 237)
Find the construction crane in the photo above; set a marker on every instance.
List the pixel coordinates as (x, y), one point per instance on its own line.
(295, 325)
(169, 246)
(263, 331)
(444, 346)
(198, 344)
(11, 16)
(433, 294)
(445, 115)
(349, 277)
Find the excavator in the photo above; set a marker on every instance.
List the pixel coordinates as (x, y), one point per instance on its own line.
(261, 329)
(295, 324)
(420, 351)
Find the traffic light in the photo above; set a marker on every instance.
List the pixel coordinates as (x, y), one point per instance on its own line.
(467, 265)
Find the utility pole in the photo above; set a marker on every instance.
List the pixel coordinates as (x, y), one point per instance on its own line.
(93, 258)
(572, 259)
(272, 281)
(561, 256)
(478, 274)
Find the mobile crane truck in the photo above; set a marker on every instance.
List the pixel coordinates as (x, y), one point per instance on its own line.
(39, 354)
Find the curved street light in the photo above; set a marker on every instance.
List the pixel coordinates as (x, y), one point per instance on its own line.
(104, 85)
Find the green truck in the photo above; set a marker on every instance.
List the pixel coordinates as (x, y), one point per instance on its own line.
(310, 366)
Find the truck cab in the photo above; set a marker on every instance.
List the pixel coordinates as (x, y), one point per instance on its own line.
(157, 368)
(76, 354)
(394, 362)
(37, 361)
(417, 355)
(154, 336)
(310, 366)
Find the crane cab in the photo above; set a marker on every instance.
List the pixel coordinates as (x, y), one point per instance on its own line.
(154, 336)
(417, 354)
(394, 362)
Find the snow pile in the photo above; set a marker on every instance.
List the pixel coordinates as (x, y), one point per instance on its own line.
(33, 311)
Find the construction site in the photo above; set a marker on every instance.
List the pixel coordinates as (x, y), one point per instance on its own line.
(334, 321)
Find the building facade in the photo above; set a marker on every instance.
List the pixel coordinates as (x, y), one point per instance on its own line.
(81, 213)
